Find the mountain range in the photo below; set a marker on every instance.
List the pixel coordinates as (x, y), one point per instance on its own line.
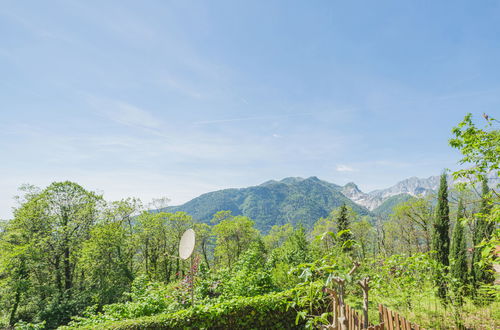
(297, 200)
(413, 187)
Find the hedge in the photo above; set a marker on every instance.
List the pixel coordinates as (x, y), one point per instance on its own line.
(270, 311)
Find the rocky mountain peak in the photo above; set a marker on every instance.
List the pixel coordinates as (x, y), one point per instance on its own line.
(352, 185)
(352, 191)
(412, 186)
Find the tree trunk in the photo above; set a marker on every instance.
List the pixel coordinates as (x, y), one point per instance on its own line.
(67, 270)
(22, 276)
(12, 317)
(58, 275)
(204, 251)
(177, 269)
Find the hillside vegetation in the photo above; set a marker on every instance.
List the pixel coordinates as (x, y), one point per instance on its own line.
(291, 200)
(70, 259)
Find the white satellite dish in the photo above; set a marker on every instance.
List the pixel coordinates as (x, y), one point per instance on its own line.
(186, 245)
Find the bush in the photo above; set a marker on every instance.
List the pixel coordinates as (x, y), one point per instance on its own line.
(147, 298)
(249, 276)
(269, 311)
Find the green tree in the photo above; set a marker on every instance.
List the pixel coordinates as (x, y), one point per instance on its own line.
(458, 257)
(414, 219)
(204, 242)
(233, 236)
(295, 250)
(71, 212)
(441, 237)
(158, 235)
(108, 256)
(480, 148)
(327, 232)
(249, 276)
(364, 233)
(483, 230)
(323, 242)
(277, 236)
(44, 242)
(14, 277)
(343, 227)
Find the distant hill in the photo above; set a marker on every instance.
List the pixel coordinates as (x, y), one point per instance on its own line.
(291, 200)
(386, 208)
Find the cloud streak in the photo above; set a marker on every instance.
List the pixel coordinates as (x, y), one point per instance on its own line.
(250, 118)
(124, 113)
(344, 168)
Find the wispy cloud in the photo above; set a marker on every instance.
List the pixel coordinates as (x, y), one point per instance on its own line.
(229, 120)
(388, 163)
(467, 94)
(131, 115)
(344, 168)
(124, 113)
(180, 85)
(38, 29)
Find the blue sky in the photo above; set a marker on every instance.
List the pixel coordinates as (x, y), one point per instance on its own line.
(178, 98)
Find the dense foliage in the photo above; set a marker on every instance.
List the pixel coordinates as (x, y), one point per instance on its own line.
(270, 311)
(483, 229)
(70, 258)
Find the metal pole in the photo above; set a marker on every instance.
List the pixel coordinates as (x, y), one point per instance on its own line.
(192, 281)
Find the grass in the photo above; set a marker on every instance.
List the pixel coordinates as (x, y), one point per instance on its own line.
(428, 312)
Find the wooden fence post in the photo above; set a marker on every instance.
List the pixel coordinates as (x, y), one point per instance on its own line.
(364, 286)
(341, 284)
(335, 305)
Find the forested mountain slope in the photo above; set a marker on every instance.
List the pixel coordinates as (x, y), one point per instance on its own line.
(386, 208)
(291, 200)
(297, 200)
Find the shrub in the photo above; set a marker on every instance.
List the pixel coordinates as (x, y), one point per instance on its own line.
(147, 298)
(271, 311)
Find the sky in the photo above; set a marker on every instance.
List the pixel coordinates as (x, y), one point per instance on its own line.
(174, 99)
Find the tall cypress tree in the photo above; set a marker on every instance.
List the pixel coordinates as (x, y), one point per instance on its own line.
(482, 230)
(343, 225)
(458, 256)
(441, 237)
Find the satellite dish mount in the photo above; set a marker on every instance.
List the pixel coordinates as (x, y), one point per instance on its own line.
(186, 248)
